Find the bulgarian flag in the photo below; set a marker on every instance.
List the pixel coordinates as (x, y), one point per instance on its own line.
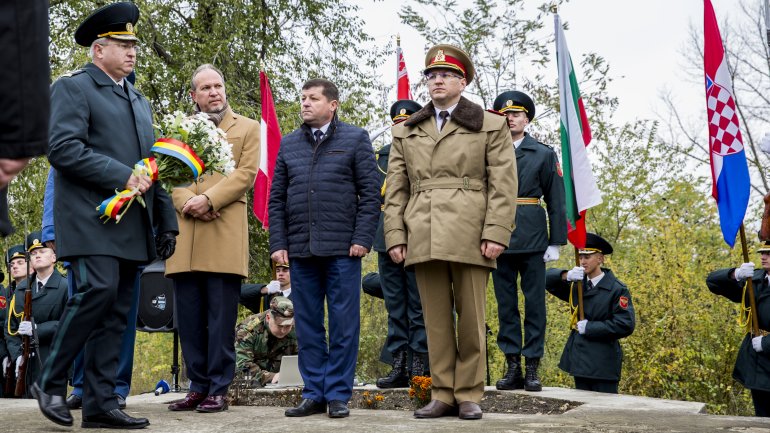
(270, 142)
(579, 182)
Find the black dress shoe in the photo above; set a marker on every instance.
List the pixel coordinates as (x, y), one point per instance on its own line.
(74, 402)
(338, 409)
(305, 408)
(121, 401)
(115, 418)
(53, 406)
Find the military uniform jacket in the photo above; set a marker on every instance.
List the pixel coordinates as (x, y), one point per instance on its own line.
(382, 156)
(448, 191)
(539, 176)
(258, 351)
(5, 301)
(751, 369)
(97, 134)
(47, 307)
(610, 314)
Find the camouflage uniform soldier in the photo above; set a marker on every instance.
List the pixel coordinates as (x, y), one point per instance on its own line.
(262, 340)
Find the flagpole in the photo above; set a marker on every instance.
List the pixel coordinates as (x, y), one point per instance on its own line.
(750, 287)
(581, 312)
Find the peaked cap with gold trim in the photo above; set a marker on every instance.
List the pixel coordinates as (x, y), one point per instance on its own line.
(116, 21)
(450, 57)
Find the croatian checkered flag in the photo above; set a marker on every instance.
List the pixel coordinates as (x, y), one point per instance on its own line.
(729, 170)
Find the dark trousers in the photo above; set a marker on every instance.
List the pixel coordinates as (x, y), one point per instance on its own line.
(532, 270)
(93, 320)
(327, 368)
(207, 309)
(126, 361)
(597, 385)
(406, 327)
(761, 401)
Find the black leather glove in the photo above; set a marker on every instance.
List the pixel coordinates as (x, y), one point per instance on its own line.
(165, 243)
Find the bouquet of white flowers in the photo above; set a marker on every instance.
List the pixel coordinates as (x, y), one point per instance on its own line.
(189, 146)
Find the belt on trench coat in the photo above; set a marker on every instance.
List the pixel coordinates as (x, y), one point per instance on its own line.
(420, 185)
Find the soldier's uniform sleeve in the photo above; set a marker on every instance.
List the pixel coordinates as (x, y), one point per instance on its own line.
(555, 285)
(245, 339)
(553, 194)
(397, 193)
(622, 322)
(502, 186)
(720, 283)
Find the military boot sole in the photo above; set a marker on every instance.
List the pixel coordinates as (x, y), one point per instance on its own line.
(399, 383)
(505, 386)
(534, 388)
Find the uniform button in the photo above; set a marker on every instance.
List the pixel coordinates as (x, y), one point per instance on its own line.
(312, 191)
(312, 224)
(201, 179)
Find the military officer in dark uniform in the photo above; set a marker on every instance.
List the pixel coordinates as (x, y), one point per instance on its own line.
(592, 354)
(406, 327)
(49, 294)
(6, 294)
(534, 242)
(752, 367)
(16, 258)
(101, 126)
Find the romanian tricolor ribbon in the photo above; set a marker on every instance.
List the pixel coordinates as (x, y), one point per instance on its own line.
(181, 151)
(114, 207)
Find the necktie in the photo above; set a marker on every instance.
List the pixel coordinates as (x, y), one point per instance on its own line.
(318, 134)
(442, 116)
(39, 287)
(589, 286)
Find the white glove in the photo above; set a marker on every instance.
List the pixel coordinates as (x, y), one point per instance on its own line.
(745, 271)
(576, 274)
(757, 343)
(764, 144)
(273, 287)
(25, 328)
(18, 363)
(6, 363)
(581, 326)
(551, 254)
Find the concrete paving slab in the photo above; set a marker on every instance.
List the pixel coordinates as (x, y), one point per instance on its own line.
(593, 416)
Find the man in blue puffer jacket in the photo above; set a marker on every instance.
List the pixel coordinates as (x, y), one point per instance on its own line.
(323, 210)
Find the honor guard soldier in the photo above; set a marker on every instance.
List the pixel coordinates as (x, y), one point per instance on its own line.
(752, 366)
(261, 340)
(49, 294)
(406, 327)
(534, 242)
(592, 354)
(6, 295)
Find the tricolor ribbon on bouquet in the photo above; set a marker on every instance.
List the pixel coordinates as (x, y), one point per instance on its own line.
(114, 207)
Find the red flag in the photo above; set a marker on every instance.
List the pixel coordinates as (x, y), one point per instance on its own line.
(402, 78)
(270, 142)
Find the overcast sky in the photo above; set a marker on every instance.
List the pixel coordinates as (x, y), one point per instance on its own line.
(641, 40)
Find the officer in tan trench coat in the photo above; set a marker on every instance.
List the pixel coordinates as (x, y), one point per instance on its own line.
(211, 257)
(450, 208)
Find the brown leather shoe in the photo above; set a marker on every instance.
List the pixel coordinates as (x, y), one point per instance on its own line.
(435, 409)
(470, 410)
(189, 402)
(213, 403)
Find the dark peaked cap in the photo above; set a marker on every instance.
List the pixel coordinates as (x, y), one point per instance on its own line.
(116, 20)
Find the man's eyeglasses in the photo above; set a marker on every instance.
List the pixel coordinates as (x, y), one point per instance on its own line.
(123, 46)
(431, 76)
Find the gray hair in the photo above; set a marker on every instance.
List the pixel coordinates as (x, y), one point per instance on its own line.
(99, 41)
(202, 68)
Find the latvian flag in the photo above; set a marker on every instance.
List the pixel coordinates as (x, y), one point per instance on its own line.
(270, 142)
